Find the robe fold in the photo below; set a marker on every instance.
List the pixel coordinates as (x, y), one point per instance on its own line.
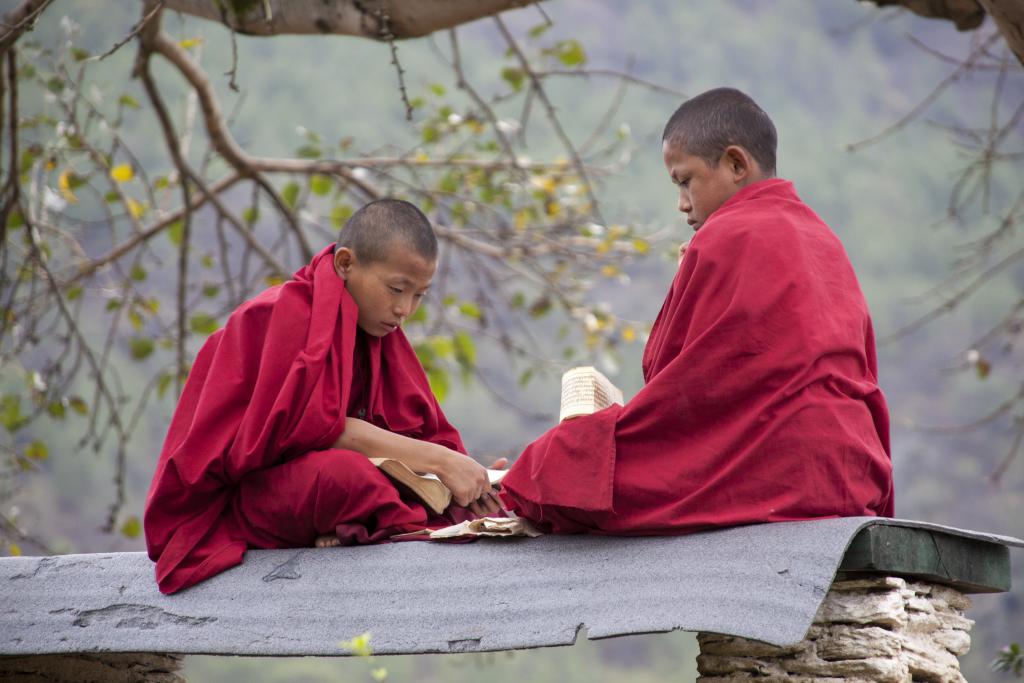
(248, 459)
(761, 400)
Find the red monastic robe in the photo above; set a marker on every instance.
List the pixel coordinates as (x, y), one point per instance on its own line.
(248, 460)
(761, 400)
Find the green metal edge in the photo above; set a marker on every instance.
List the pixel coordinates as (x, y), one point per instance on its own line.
(967, 564)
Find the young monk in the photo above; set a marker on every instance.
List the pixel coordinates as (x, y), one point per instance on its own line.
(268, 446)
(761, 401)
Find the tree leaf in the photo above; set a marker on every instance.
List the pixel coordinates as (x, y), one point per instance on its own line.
(513, 77)
(79, 405)
(37, 450)
(128, 101)
(131, 527)
(470, 310)
(438, 380)
(73, 293)
(13, 549)
(203, 323)
(122, 173)
(465, 349)
(570, 52)
(340, 214)
(141, 347)
(10, 412)
(175, 232)
(138, 273)
(190, 42)
(211, 290)
(163, 384)
(320, 184)
(56, 409)
(290, 194)
(251, 215)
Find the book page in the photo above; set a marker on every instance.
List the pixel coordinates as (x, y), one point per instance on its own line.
(584, 391)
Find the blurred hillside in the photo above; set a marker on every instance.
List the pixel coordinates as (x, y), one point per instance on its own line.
(829, 74)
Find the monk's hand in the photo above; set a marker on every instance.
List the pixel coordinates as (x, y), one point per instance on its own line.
(682, 251)
(489, 505)
(465, 478)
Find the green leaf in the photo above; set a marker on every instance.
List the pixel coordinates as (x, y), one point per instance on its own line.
(128, 101)
(138, 273)
(418, 316)
(73, 293)
(211, 290)
(570, 52)
(55, 85)
(79, 54)
(320, 184)
(539, 30)
(290, 194)
(163, 384)
(525, 377)
(340, 214)
(206, 261)
(437, 89)
(176, 232)
(141, 347)
(540, 307)
(113, 304)
(251, 215)
(514, 77)
(203, 323)
(112, 197)
(470, 310)
(79, 405)
(37, 450)
(10, 412)
(430, 134)
(309, 152)
(131, 527)
(438, 380)
(56, 409)
(15, 219)
(465, 349)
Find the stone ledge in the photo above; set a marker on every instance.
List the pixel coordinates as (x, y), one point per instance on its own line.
(885, 630)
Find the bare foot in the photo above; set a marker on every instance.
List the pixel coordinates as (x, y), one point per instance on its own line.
(328, 541)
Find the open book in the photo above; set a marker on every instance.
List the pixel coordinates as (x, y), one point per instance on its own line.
(427, 487)
(584, 391)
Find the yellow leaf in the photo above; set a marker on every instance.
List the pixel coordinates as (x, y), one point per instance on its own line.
(603, 248)
(64, 184)
(273, 280)
(14, 549)
(50, 165)
(553, 208)
(641, 246)
(629, 333)
(136, 209)
(609, 270)
(379, 674)
(122, 173)
(544, 182)
(521, 219)
(190, 42)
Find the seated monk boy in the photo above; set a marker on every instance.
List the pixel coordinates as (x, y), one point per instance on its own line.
(268, 446)
(761, 400)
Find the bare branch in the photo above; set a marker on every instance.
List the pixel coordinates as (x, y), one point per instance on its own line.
(19, 20)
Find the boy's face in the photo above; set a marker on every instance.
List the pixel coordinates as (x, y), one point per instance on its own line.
(702, 188)
(387, 292)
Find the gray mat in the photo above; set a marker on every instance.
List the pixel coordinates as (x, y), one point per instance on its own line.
(763, 582)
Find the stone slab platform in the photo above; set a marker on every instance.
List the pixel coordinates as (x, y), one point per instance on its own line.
(763, 582)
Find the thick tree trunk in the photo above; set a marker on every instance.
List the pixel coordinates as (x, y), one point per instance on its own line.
(1009, 17)
(969, 14)
(377, 19)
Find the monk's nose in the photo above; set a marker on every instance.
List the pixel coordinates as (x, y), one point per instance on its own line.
(684, 204)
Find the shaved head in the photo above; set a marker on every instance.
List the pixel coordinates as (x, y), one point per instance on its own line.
(381, 226)
(708, 123)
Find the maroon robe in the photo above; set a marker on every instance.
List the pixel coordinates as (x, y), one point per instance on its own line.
(761, 400)
(248, 459)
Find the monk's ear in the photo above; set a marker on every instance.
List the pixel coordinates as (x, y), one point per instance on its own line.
(343, 260)
(742, 167)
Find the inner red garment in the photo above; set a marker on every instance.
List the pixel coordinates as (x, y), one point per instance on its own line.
(248, 462)
(761, 401)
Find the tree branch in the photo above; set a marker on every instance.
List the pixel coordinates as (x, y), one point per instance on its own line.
(361, 18)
